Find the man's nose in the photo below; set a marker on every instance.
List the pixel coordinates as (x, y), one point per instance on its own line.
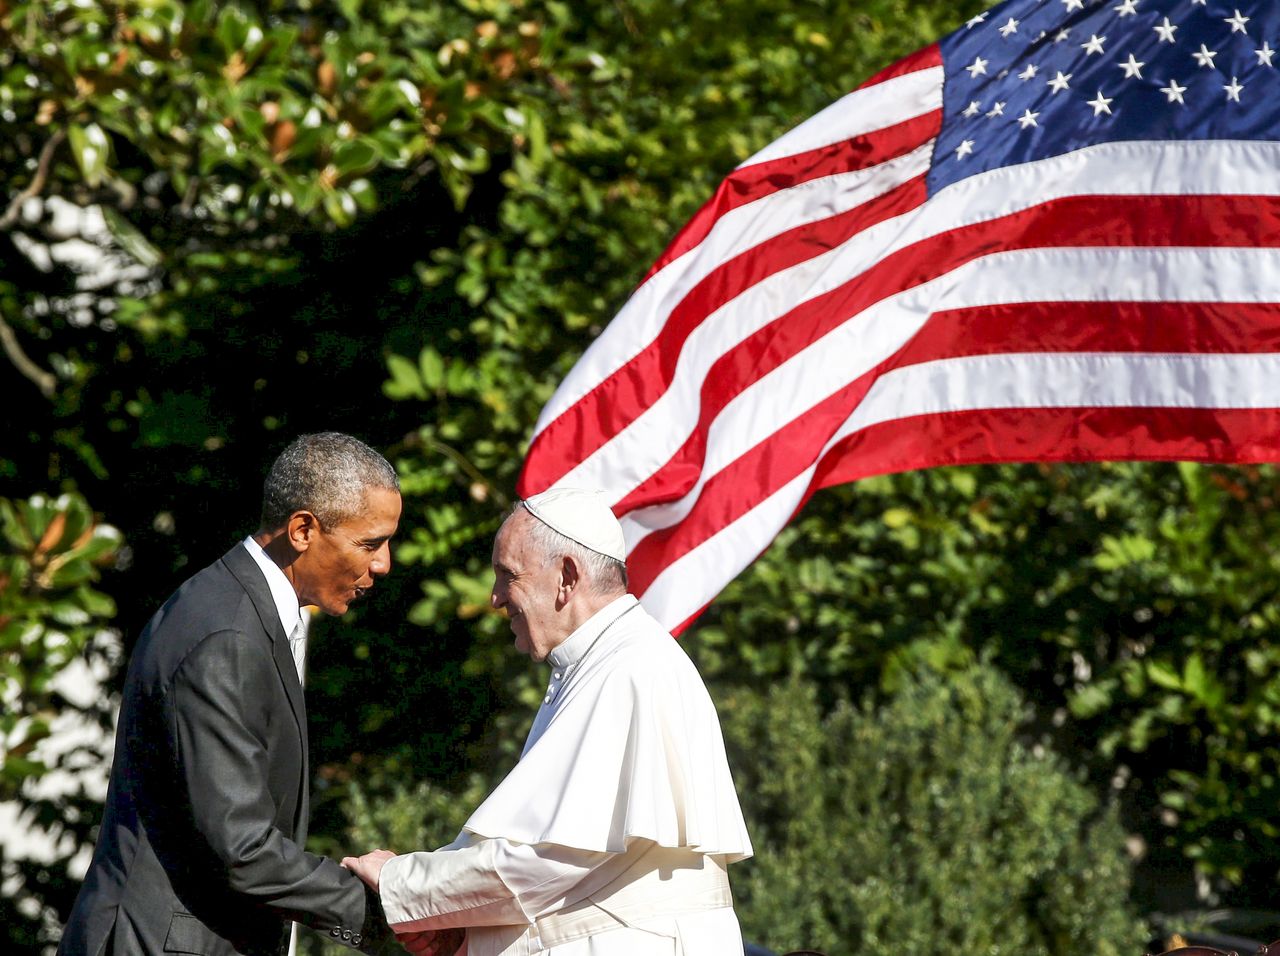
(381, 563)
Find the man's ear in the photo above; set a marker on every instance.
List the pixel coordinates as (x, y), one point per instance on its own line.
(302, 530)
(570, 577)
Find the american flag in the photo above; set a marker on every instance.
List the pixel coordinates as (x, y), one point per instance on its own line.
(1050, 236)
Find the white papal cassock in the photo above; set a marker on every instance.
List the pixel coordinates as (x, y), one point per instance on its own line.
(612, 833)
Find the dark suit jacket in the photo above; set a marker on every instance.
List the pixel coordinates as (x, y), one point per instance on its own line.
(200, 849)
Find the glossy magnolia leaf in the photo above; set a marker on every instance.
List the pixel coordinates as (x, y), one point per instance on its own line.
(92, 151)
(130, 238)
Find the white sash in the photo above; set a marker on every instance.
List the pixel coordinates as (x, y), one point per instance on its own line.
(662, 883)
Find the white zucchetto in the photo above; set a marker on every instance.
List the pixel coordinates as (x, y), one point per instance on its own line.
(583, 516)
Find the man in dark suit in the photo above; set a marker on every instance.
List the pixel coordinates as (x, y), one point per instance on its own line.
(201, 845)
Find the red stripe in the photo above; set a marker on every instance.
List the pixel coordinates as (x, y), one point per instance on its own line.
(746, 185)
(683, 625)
(1194, 327)
(930, 56)
(984, 436)
(993, 436)
(615, 402)
(1087, 220)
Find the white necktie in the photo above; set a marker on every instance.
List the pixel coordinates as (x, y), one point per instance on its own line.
(298, 646)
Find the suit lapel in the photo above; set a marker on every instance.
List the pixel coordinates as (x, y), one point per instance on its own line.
(247, 572)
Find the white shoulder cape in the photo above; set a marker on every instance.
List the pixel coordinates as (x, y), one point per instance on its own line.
(632, 751)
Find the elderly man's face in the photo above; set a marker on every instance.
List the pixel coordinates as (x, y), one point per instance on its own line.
(526, 588)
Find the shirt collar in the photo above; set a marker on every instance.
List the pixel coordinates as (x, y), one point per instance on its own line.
(282, 592)
(570, 650)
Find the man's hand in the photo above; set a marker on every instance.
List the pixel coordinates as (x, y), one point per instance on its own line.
(369, 867)
(433, 942)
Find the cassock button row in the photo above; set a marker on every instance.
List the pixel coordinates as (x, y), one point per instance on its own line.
(557, 675)
(547, 699)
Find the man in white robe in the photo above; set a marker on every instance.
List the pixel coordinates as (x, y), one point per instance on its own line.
(612, 833)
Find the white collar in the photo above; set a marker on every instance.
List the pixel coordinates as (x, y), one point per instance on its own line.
(572, 648)
(282, 592)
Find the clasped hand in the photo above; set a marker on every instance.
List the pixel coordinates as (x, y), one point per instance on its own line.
(437, 942)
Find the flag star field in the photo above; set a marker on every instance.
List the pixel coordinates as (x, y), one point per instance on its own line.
(1094, 72)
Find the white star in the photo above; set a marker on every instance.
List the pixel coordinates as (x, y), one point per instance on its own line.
(1233, 91)
(1132, 68)
(1029, 72)
(1264, 55)
(1009, 28)
(1205, 56)
(1061, 35)
(976, 20)
(1094, 45)
(1127, 8)
(1101, 105)
(1166, 31)
(1073, 5)
(1174, 92)
(972, 109)
(977, 68)
(964, 149)
(1237, 22)
(997, 110)
(1059, 82)
(1028, 119)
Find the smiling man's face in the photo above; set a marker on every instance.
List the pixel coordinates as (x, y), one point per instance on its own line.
(341, 563)
(526, 587)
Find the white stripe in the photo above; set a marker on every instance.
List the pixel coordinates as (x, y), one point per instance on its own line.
(1109, 274)
(1145, 168)
(860, 112)
(739, 230)
(1070, 380)
(1032, 275)
(1026, 380)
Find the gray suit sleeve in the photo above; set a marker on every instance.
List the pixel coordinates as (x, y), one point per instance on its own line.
(219, 714)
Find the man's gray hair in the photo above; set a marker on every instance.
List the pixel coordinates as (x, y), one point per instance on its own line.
(604, 575)
(328, 474)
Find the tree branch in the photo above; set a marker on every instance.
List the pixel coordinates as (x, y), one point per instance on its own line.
(43, 380)
(33, 188)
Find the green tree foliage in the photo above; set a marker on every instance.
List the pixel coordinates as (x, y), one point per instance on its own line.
(51, 616)
(926, 822)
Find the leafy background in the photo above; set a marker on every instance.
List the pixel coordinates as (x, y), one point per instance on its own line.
(225, 223)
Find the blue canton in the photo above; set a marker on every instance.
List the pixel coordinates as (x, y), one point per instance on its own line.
(1030, 79)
